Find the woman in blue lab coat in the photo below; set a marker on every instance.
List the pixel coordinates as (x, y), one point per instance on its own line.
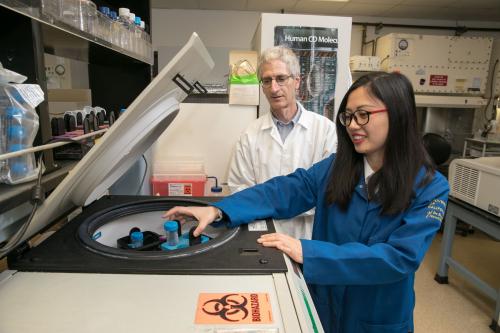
(379, 202)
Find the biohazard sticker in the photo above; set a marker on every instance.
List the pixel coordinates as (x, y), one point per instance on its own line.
(234, 308)
(180, 189)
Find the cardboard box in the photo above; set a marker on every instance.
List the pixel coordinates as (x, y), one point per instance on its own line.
(62, 100)
(70, 95)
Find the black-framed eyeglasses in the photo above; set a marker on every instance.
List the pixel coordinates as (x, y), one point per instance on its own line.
(280, 80)
(361, 117)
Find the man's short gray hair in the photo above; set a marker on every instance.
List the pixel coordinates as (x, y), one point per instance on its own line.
(283, 54)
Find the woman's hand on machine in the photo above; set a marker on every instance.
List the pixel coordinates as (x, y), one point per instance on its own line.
(286, 244)
(204, 215)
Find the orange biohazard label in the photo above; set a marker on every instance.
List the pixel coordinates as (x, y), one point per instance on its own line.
(234, 308)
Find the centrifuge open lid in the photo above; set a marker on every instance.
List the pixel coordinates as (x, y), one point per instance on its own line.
(130, 136)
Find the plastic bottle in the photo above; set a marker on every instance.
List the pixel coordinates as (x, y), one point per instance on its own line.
(132, 29)
(105, 10)
(69, 12)
(146, 39)
(139, 48)
(115, 28)
(121, 112)
(131, 17)
(4, 103)
(136, 239)
(171, 228)
(104, 23)
(87, 16)
(123, 14)
(18, 139)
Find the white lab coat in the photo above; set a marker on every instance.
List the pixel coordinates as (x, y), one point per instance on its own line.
(260, 155)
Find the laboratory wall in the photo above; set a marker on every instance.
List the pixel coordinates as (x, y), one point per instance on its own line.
(222, 31)
(205, 133)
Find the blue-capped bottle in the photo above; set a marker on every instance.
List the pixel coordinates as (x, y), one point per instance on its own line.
(104, 23)
(115, 28)
(17, 139)
(136, 239)
(172, 229)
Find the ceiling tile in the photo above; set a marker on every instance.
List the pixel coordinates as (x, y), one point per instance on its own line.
(318, 7)
(430, 3)
(358, 9)
(376, 2)
(473, 10)
(419, 12)
(477, 4)
(472, 14)
(175, 4)
(485, 15)
(271, 6)
(223, 4)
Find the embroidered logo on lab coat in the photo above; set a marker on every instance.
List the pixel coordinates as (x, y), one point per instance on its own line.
(436, 210)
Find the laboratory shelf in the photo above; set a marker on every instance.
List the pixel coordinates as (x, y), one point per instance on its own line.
(26, 8)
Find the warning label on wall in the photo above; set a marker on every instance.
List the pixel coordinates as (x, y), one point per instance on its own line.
(234, 308)
(438, 80)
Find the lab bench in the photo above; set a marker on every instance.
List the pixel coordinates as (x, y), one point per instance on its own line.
(480, 148)
(482, 220)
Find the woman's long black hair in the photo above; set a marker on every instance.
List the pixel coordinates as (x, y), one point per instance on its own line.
(404, 154)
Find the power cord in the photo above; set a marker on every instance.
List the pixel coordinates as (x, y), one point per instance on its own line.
(37, 197)
(382, 61)
(143, 176)
(487, 125)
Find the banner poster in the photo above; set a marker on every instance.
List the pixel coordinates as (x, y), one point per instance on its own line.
(317, 51)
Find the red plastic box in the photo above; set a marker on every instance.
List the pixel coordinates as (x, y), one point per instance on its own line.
(179, 185)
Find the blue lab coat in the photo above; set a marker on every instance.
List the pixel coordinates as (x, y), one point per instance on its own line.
(360, 264)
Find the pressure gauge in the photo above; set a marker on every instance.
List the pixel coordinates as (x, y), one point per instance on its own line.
(403, 44)
(60, 70)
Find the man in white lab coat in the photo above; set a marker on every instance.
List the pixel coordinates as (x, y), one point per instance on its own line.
(287, 138)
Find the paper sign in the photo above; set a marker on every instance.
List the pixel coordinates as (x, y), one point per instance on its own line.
(31, 93)
(234, 308)
(257, 226)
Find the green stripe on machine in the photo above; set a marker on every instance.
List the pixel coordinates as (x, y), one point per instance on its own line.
(315, 328)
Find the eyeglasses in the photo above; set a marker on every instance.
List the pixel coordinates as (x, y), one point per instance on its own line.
(280, 80)
(361, 117)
